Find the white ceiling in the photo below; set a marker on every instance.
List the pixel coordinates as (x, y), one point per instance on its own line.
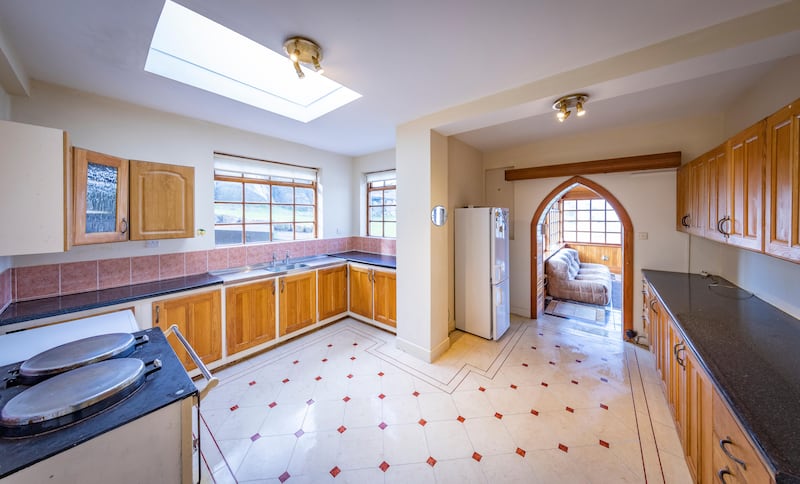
(408, 59)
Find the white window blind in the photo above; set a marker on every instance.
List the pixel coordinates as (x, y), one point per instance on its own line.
(381, 176)
(230, 165)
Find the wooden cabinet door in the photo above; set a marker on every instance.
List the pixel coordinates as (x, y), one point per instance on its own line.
(199, 318)
(385, 297)
(332, 292)
(698, 197)
(161, 201)
(249, 315)
(717, 192)
(683, 208)
(782, 217)
(745, 226)
(298, 302)
(361, 291)
(698, 425)
(100, 200)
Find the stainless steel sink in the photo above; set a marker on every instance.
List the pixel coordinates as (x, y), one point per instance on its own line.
(284, 267)
(233, 270)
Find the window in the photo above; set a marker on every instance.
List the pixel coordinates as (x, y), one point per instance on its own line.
(270, 202)
(591, 222)
(382, 204)
(552, 228)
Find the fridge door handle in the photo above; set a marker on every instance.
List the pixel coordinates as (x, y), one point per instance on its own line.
(498, 297)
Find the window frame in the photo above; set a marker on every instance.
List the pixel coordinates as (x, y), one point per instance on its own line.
(267, 180)
(605, 220)
(369, 190)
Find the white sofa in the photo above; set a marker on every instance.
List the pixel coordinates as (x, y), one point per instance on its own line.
(568, 278)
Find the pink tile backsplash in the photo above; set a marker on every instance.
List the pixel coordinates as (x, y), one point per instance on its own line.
(171, 265)
(114, 272)
(35, 282)
(144, 269)
(78, 277)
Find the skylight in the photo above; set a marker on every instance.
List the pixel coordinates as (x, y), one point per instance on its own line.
(197, 51)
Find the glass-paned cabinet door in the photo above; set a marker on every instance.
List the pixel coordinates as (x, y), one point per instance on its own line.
(100, 198)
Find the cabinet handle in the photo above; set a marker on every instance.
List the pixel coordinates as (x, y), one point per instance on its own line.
(680, 360)
(124, 225)
(283, 285)
(722, 444)
(653, 306)
(720, 229)
(683, 220)
(721, 474)
(158, 313)
(273, 288)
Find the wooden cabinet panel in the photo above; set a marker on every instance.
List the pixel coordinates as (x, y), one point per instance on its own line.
(332, 292)
(298, 302)
(683, 211)
(361, 291)
(385, 297)
(698, 198)
(199, 318)
(35, 189)
(732, 444)
(699, 439)
(249, 315)
(717, 192)
(100, 198)
(161, 201)
(747, 180)
(782, 206)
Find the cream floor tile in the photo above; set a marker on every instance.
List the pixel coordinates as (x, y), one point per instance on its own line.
(489, 436)
(404, 444)
(448, 440)
(508, 468)
(507, 401)
(241, 423)
(284, 419)
(437, 406)
(361, 476)
(459, 471)
(324, 415)
(316, 453)
(675, 469)
(361, 448)
(401, 409)
(362, 412)
(410, 473)
(267, 458)
(472, 403)
(234, 452)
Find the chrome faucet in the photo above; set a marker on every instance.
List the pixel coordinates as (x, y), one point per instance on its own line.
(286, 259)
(274, 259)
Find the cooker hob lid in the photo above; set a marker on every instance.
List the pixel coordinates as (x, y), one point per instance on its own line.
(74, 355)
(71, 396)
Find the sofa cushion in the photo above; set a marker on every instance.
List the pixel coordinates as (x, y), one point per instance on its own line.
(568, 278)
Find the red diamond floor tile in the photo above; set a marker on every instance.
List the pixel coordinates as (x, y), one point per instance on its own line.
(380, 373)
(525, 365)
(346, 399)
(350, 375)
(382, 425)
(309, 401)
(324, 360)
(355, 344)
(318, 378)
(498, 415)
(381, 396)
(416, 394)
(341, 429)
(422, 422)
(533, 347)
(384, 466)
(431, 461)
(285, 380)
(513, 387)
(481, 389)
(284, 477)
(255, 437)
(352, 358)
(477, 456)
(604, 406)
(604, 444)
(273, 404)
(234, 408)
(521, 452)
(335, 471)
(570, 409)
(461, 419)
(574, 382)
(299, 433)
(535, 412)
(544, 384)
(295, 362)
(252, 383)
(563, 447)
(330, 345)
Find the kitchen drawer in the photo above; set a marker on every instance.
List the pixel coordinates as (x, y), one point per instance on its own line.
(753, 470)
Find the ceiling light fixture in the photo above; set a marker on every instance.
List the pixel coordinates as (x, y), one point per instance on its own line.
(565, 104)
(303, 50)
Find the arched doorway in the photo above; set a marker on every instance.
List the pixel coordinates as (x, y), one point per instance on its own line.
(537, 263)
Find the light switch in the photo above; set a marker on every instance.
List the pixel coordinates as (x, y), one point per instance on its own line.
(641, 235)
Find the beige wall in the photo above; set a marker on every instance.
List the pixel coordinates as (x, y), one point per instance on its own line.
(380, 161)
(135, 132)
(465, 187)
(648, 197)
(5, 114)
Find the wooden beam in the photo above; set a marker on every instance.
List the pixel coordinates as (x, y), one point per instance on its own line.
(613, 165)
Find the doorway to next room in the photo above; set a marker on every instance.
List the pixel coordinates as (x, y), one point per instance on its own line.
(582, 233)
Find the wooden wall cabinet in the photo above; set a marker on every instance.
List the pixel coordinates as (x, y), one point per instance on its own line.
(297, 302)
(373, 294)
(332, 291)
(782, 191)
(249, 315)
(161, 201)
(100, 198)
(199, 318)
(117, 199)
(35, 189)
(745, 224)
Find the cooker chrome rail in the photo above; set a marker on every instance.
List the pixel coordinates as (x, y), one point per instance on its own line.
(212, 380)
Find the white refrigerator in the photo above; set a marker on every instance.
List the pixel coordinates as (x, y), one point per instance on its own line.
(481, 271)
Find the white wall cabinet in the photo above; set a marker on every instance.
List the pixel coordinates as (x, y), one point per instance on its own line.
(35, 192)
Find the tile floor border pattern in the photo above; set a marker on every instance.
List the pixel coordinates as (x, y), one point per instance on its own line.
(650, 457)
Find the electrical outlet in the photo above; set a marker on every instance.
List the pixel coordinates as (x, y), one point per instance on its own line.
(151, 244)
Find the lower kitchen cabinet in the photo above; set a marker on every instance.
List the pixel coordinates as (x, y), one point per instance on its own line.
(249, 315)
(714, 444)
(298, 302)
(361, 291)
(332, 291)
(199, 318)
(385, 297)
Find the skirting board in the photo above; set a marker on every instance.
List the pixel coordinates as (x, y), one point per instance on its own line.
(523, 312)
(428, 356)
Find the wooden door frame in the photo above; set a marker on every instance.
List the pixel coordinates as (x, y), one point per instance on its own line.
(627, 242)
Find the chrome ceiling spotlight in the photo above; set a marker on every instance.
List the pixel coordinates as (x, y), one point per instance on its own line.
(564, 105)
(301, 49)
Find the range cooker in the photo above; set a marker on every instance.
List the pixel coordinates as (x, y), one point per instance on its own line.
(133, 404)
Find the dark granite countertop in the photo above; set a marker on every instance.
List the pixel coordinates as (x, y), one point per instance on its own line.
(54, 306)
(751, 350)
(389, 261)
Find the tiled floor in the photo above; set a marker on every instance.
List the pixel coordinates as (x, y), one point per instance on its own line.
(543, 404)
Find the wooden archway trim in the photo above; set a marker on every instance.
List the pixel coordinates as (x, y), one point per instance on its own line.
(627, 243)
